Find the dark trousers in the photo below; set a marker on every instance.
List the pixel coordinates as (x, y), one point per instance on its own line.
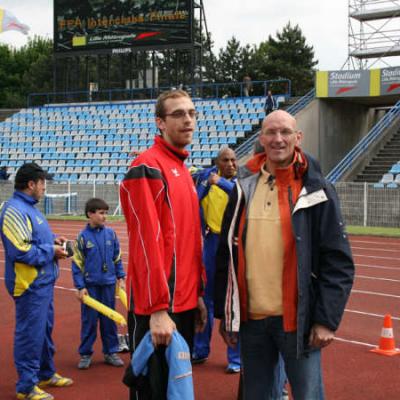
(154, 385)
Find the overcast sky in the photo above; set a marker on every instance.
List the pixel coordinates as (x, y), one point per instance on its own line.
(323, 23)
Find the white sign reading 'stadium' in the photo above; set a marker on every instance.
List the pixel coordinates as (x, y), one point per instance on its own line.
(348, 83)
(390, 81)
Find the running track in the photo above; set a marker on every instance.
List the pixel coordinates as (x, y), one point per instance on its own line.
(350, 370)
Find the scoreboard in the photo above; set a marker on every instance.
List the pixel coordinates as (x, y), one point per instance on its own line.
(117, 26)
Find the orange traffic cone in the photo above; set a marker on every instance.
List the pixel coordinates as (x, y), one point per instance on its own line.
(387, 346)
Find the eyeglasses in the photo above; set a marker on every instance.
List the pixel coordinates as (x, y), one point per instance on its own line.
(182, 114)
(283, 132)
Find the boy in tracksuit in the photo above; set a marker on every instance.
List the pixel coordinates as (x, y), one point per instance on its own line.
(96, 269)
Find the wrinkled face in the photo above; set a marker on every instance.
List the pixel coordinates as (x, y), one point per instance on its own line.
(279, 136)
(226, 164)
(178, 123)
(97, 218)
(37, 189)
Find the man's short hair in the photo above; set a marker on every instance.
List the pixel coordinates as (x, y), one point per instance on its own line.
(30, 172)
(94, 204)
(170, 94)
(224, 150)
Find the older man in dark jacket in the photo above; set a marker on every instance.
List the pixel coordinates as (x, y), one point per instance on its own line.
(284, 266)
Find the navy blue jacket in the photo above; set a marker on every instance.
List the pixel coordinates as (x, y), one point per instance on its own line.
(325, 266)
(97, 258)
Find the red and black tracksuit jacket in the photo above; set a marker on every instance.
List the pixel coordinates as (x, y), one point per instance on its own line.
(161, 209)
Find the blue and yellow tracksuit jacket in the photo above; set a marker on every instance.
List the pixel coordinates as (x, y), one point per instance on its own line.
(28, 243)
(97, 258)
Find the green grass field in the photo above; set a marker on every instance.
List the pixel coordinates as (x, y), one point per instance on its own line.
(373, 230)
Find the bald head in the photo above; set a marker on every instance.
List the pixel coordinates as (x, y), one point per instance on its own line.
(279, 137)
(280, 117)
(226, 162)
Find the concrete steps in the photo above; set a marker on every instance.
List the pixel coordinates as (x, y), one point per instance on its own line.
(381, 163)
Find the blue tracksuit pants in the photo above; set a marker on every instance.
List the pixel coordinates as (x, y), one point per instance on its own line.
(33, 345)
(202, 340)
(89, 317)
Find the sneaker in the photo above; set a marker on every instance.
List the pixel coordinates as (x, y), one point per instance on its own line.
(122, 344)
(56, 381)
(232, 369)
(113, 359)
(35, 394)
(199, 360)
(84, 362)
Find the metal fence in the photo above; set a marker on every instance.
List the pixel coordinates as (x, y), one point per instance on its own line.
(364, 205)
(70, 199)
(361, 203)
(280, 87)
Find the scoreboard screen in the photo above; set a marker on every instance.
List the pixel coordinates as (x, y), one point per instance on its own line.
(115, 25)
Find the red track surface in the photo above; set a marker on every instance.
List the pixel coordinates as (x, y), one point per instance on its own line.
(350, 370)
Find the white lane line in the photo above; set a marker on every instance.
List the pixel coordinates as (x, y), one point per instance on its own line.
(369, 314)
(377, 279)
(379, 242)
(339, 339)
(375, 249)
(380, 257)
(377, 267)
(64, 288)
(56, 287)
(375, 293)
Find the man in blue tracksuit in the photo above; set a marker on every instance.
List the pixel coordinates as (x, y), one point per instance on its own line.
(31, 254)
(213, 188)
(96, 269)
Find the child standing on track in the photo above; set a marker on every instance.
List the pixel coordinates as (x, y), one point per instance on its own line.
(96, 269)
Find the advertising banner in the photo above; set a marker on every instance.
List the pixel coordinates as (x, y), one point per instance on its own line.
(390, 81)
(358, 83)
(90, 25)
(348, 83)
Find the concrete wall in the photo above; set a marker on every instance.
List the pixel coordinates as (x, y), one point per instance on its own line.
(333, 127)
(307, 122)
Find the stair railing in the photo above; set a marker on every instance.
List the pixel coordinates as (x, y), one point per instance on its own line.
(364, 144)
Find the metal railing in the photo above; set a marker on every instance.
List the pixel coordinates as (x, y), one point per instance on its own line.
(247, 146)
(364, 144)
(280, 87)
(362, 204)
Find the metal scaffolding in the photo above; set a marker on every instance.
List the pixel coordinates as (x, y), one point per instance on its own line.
(374, 33)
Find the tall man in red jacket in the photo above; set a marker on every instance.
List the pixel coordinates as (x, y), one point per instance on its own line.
(159, 201)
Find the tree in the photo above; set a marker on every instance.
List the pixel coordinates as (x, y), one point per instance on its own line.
(229, 62)
(37, 66)
(290, 57)
(25, 70)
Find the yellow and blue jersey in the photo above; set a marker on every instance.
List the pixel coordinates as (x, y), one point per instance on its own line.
(28, 244)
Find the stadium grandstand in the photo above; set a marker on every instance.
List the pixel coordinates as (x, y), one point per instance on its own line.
(86, 142)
